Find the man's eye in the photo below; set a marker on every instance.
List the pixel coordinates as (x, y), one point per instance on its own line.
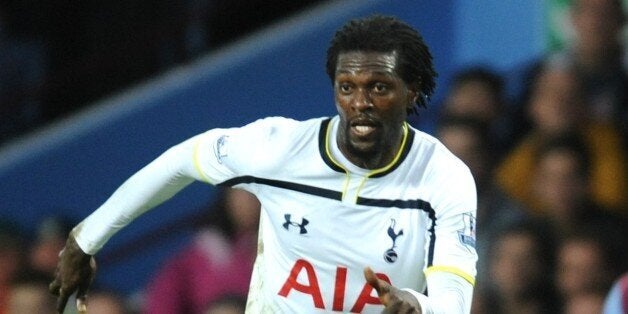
(380, 88)
(345, 88)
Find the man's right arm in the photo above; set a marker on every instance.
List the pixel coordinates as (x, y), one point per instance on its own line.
(152, 185)
(210, 157)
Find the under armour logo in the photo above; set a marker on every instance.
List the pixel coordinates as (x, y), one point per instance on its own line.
(390, 255)
(301, 225)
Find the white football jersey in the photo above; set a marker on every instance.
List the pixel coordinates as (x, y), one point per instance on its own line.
(324, 219)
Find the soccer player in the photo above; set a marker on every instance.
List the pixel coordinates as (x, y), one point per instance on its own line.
(360, 211)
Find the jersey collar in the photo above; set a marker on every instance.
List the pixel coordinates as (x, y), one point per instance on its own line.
(327, 136)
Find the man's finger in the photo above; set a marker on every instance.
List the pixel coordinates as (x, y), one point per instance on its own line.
(81, 297)
(372, 279)
(81, 305)
(62, 300)
(379, 285)
(54, 287)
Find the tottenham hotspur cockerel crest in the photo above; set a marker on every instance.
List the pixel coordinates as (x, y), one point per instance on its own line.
(390, 255)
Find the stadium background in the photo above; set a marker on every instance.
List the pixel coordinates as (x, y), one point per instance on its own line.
(73, 164)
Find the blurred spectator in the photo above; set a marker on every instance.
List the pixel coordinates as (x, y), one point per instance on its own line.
(584, 303)
(521, 271)
(556, 106)
(599, 59)
(29, 294)
(233, 304)
(467, 138)
(595, 50)
(586, 265)
(561, 185)
(617, 299)
(44, 250)
(478, 93)
(484, 302)
(105, 302)
(10, 261)
(24, 268)
(217, 263)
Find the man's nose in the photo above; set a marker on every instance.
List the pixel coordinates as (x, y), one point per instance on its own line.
(362, 100)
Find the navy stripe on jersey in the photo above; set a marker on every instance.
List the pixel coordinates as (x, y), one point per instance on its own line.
(411, 204)
(307, 189)
(335, 195)
(416, 204)
(432, 230)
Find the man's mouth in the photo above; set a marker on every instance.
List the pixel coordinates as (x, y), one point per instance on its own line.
(363, 127)
(362, 130)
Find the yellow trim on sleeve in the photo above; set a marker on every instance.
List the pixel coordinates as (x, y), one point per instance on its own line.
(197, 164)
(453, 270)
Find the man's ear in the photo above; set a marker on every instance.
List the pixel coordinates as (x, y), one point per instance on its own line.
(412, 97)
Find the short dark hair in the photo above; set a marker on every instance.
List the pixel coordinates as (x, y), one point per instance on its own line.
(380, 33)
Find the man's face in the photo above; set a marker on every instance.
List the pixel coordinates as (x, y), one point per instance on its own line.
(372, 100)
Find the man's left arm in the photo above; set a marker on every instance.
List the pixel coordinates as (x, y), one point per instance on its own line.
(450, 254)
(448, 293)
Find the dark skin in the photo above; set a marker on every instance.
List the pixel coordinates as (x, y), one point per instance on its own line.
(395, 300)
(75, 273)
(372, 101)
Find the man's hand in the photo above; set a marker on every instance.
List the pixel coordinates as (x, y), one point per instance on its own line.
(75, 273)
(395, 300)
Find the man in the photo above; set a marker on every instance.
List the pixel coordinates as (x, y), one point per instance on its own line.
(350, 204)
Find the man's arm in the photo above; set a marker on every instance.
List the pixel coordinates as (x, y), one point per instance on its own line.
(149, 187)
(152, 185)
(75, 272)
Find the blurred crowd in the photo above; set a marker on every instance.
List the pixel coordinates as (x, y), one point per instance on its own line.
(209, 275)
(550, 169)
(26, 268)
(59, 56)
(549, 164)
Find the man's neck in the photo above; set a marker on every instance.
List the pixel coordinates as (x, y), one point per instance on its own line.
(379, 159)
